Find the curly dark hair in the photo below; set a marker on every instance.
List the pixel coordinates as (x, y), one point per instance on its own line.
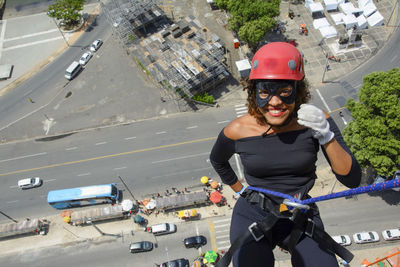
(303, 95)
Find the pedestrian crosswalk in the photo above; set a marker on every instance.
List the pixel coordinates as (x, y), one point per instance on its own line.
(240, 110)
(221, 228)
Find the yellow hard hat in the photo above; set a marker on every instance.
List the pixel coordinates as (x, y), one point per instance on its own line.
(204, 179)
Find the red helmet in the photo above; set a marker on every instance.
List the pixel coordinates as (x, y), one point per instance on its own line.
(277, 61)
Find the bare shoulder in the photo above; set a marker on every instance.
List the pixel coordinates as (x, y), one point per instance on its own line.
(240, 127)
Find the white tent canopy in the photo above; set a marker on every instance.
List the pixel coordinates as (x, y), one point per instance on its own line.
(328, 32)
(369, 9)
(331, 5)
(308, 2)
(348, 8)
(375, 19)
(362, 3)
(349, 20)
(316, 7)
(319, 23)
(338, 18)
(361, 22)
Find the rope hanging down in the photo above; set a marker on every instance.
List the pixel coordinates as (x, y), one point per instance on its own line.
(350, 192)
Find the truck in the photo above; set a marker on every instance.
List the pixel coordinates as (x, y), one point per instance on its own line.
(27, 226)
(83, 217)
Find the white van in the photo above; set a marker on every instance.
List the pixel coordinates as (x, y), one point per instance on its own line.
(73, 70)
(163, 228)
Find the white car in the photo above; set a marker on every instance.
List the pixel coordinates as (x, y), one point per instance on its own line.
(95, 45)
(343, 240)
(29, 183)
(391, 234)
(85, 58)
(366, 237)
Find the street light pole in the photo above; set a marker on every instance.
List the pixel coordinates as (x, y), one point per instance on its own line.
(127, 188)
(8, 217)
(61, 32)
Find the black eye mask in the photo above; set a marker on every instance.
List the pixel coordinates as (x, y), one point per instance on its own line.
(273, 88)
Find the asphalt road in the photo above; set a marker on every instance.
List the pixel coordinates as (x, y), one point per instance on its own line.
(117, 253)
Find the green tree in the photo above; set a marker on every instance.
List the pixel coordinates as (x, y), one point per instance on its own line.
(374, 134)
(68, 11)
(253, 32)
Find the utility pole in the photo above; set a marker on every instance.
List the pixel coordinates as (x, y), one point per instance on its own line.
(8, 217)
(127, 188)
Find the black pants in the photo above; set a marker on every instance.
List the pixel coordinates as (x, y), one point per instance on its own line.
(307, 252)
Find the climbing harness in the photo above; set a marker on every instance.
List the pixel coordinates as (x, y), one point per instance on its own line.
(298, 212)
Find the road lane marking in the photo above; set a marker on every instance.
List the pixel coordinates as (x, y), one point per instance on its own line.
(129, 138)
(100, 143)
(191, 127)
(223, 220)
(222, 225)
(119, 168)
(14, 186)
(29, 35)
(3, 32)
(31, 43)
(13, 201)
(49, 180)
(212, 235)
(222, 236)
(23, 157)
(183, 157)
(220, 122)
(84, 174)
(71, 148)
(163, 132)
(111, 155)
(323, 101)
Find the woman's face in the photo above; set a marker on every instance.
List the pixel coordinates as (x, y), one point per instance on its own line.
(275, 101)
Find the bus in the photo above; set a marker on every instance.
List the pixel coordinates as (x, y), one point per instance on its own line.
(83, 196)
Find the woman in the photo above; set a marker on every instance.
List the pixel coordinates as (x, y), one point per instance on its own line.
(278, 141)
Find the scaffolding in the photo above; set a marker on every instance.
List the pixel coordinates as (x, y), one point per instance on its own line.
(183, 56)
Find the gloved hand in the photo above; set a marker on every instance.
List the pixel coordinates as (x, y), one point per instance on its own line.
(314, 118)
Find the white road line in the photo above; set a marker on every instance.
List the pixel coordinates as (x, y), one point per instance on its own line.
(358, 85)
(223, 220)
(32, 43)
(71, 148)
(241, 108)
(221, 236)
(220, 122)
(223, 248)
(100, 143)
(394, 58)
(84, 174)
(3, 32)
(222, 225)
(13, 186)
(240, 105)
(119, 168)
(23, 157)
(223, 242)
(49, 180)
(223, 231)
(323, 101)
(13, 201)
(184, 157)
(163, 132)
(191, 127)
(129, 138)
(29, 35)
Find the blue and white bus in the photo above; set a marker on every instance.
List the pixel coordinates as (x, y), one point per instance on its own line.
(83, 196)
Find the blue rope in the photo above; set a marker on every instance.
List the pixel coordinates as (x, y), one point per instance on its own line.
(350, 192)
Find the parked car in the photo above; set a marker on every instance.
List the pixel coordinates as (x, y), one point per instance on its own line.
(142, 246)
(85, 58)
(391, 234)
(176, 263)
(96, 45)
(29, 183)
(366, 237)
(163, 229)
(343, 240)
(195, 241)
